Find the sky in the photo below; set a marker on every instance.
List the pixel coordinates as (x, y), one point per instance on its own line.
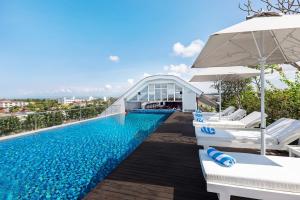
(55, 48)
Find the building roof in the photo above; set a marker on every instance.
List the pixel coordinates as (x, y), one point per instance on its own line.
(141, 83)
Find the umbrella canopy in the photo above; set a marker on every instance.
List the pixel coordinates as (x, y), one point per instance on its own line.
(257, 41)
(277, 39)
(224, 74)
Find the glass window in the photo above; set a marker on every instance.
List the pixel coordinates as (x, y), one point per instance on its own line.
(164, 94)
(164, 85)
(177, 88)
(143, 94)
(133, 98)
(157, 86)
(157, 94)
(151, 88)
(171, 97)
(178, 97)
(171, 91)
(144, 97)
(151, 97)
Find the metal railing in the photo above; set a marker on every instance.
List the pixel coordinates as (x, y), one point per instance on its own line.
(16, 123)
(111, 110)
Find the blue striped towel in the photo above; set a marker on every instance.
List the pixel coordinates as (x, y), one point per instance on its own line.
(208, 130)
(199, 119)
(221, 158)
(198, 114)
(198, 111)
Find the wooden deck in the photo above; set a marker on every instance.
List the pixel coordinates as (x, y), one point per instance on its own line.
(165, 166)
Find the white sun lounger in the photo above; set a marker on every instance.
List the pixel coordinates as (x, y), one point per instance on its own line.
(251, 120)
(253, 176)
(236, 115)
(225, 112)
(279, 134)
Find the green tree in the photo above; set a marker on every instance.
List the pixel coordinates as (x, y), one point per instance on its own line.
(9, 125)
(232, 91)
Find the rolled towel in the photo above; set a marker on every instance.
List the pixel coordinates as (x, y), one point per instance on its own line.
(220, 157)
(198, 111)
(199, 119)
(198, 115)
(208, 130)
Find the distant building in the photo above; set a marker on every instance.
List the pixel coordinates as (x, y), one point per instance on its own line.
(73, 100)
(161, 92)
(12, 103)
(91, 98)
(66, 100)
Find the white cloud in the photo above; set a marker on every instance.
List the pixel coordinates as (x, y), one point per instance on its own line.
(108, 87)
(130, 81)
(190, 50)
(114, 58)
(179, 69)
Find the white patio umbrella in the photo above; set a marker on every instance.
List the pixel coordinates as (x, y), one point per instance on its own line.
(257, 41)
(224, 74)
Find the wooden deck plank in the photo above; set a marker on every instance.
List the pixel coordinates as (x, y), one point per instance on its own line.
(165, 166)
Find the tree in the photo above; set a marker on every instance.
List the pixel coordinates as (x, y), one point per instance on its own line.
(9, 125)
(282, 6)
(232, 90)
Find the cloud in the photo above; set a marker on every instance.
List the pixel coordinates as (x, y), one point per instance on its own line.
(177, 70)
(130, 81)
(114, 58)
(181, 68)
(191, 50)
(108, 86)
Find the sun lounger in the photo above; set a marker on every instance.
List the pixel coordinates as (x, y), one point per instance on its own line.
(253, 176)
(279, 134)
(236, 115)
(225, 112)
(251, 120)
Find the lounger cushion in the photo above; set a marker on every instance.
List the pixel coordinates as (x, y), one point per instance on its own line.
(220, 124)
(285, 130)
(252, 119)
(235, 136)
(254, 171)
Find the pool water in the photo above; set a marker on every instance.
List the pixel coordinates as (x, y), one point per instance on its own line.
(67, 162)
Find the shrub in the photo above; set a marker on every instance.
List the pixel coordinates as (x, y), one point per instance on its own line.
(9, 125)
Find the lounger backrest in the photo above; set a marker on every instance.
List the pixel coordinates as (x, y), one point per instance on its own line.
(251, 120)
(276, 126)
(237, 115)
(285, 131)
(228, 111)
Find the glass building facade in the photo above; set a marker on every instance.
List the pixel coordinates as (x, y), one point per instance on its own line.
(158, 92)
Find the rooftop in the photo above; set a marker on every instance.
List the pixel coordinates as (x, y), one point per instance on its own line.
(165, 166)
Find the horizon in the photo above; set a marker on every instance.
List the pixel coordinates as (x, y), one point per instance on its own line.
(59, 48)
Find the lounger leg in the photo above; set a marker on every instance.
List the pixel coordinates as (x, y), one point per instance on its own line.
(224, 196)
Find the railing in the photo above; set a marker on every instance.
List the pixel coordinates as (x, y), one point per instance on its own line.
(19, 123)
(111, 110)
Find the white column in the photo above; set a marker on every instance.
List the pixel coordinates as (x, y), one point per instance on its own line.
(262, 62)
(220, 98)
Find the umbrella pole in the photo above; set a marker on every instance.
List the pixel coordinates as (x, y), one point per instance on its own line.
(220, 99)
(262, 62)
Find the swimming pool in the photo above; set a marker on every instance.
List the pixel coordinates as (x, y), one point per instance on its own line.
(67, 162)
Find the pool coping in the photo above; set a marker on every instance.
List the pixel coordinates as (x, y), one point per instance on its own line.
(7, 137)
